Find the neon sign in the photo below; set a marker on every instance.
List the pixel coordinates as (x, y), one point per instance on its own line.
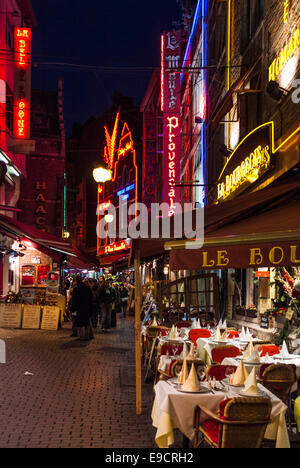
(288, 51)
(22, 83)
(118, 247)
(111, 142)
(126, 142)
(125, 190)
(286, 7)
(249, 170)
(170, 88)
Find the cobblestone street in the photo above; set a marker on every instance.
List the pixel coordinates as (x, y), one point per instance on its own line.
(80, 395)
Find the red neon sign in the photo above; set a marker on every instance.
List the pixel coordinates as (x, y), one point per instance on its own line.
(22, 83)
(162, 72)
(23, 46)
(171, 61)
(119, 246)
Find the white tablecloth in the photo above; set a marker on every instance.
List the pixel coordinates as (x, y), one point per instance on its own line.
(174, 410)
(206, 345)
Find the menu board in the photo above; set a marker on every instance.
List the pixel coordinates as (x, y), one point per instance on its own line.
(10, 315)
(50, 318)
(264, 321)
(31, 317)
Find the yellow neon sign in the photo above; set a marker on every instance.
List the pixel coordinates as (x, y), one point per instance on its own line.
(285, 55)
(286, 7)
(250, 168)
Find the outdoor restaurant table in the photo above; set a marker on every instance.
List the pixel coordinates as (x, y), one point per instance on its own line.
(206, 345)
(175, 410)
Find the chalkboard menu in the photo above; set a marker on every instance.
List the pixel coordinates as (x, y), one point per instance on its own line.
(264, 321)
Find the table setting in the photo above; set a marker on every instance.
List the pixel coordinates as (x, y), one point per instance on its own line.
(176, 399)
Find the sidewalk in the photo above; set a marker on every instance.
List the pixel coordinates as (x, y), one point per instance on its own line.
(81, 395)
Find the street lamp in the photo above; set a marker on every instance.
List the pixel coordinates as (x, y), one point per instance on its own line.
(102, 174)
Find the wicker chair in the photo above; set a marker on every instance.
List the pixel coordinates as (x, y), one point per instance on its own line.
(279, 379)
(241, 423)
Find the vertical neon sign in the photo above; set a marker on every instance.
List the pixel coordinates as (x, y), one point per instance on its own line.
(171, 103)
(22, 83)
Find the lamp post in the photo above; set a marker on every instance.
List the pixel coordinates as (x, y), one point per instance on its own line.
(102, 174)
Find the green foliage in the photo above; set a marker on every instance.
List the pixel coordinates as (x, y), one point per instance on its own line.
(284, 334)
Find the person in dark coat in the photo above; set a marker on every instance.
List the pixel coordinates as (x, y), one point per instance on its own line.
(82, 308)
(106, 296)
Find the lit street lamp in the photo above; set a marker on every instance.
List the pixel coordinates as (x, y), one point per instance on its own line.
(101, 174)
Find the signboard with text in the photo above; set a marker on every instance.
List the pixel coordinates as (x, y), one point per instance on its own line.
(170, 104)
(22, 94)
(10, 315)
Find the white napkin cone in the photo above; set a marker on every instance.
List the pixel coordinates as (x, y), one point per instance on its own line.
(198, 324)
(248, 351)
(240, 376)
(184, 373)
(284, 353)
(243, 336)
(154, 323)
(254, 357)
(185, 351)
(251, 388)
(248, 334)
(191, 355)
(217, 335)
(192, 382)
(267, 359)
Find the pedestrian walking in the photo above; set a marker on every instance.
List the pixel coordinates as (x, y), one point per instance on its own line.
(106, 297)
(81, 307)
(95, 303)
(124, 296)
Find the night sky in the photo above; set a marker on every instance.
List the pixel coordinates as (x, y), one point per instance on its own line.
(98, 33)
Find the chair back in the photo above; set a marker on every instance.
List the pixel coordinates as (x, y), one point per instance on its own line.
(220, 372)
(269, 349)
(279, 379)
(197, 333)
(232, 334)
(219, 354)
(248, 419)
(183, 324)
(169, 348)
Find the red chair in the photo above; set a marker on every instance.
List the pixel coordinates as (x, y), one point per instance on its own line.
(183, 324)
(240, 423)
(233, 334)
(271, 350)
(197, 333)
(165, 349)
(220, 372)
(219, 354)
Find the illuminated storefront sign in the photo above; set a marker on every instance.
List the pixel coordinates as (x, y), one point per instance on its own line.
(170, 88)
(288, 51)
(41, 209)
(250, 160)
(111, 142)
(125, 190)
(126, 142)
(118, 247)
(22, 83)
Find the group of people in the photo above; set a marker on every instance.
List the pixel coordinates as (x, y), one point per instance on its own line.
(93, 303)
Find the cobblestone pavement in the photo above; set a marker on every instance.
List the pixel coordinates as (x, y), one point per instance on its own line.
(80, 395)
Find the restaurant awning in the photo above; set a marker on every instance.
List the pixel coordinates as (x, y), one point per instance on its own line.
(47, 243)
(264, 235)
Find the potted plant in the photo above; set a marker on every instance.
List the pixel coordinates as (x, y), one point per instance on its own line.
(251, 311)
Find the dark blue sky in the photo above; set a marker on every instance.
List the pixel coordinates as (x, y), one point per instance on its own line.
(102, 33)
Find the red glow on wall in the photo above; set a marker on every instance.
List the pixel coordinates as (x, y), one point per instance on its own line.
(203, 108)
(21, 121)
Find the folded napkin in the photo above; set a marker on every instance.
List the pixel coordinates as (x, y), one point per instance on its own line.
(218, 335)
(185, 351)
(224, 325)
(267, 359)
(251, 388)
(194, 325)
(284, 353)
(243, 335)
(248, 334)
(192, 382)
(198, 324)
(240, 375)
(248, 351)
(173, 333)
(191, 355)
(254, 357)
(184, 373)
